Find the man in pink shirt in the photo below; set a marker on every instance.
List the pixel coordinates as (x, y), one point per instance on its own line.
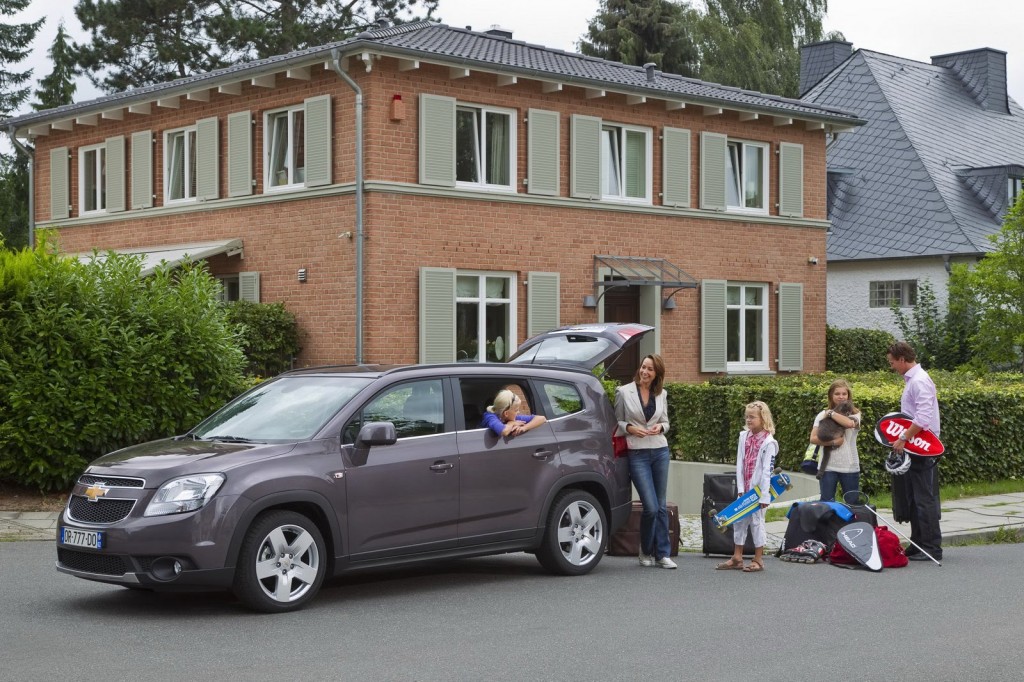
(919, 401)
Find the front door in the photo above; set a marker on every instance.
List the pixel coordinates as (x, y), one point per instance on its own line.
(622, 304)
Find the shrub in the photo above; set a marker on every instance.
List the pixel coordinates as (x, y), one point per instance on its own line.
(94, 357)
(856, 350)
(269, 336)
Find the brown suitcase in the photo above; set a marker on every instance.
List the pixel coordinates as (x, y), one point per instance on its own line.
(626, 542)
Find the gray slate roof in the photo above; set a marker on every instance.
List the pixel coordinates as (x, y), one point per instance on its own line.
(470, 49)
(912, 191)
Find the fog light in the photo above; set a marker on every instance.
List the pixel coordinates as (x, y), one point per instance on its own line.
(177, 567)
(166, 568)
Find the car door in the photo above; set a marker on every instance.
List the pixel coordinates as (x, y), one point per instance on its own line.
(403, 498)
(586, 346)
(504, 481)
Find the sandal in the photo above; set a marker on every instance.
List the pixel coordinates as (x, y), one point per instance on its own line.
(730, 565)
(754, 566)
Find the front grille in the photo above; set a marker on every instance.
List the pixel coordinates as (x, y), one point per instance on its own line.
(91, 563)
(112, 481)
(100, 511)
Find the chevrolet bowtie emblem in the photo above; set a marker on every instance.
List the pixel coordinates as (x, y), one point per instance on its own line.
(95, 492)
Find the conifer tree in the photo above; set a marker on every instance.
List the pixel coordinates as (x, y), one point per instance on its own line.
(58, 88)
(15, 44)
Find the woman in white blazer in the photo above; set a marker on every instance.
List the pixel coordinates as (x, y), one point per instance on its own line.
(641, 408)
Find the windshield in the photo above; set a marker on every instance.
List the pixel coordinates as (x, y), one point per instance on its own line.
(289, 409)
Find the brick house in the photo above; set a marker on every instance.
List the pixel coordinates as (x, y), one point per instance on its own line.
(504, 189)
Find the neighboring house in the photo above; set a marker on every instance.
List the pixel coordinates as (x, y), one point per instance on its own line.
(924, 183)
(506, 189)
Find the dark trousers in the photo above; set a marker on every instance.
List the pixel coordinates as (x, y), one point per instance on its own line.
(923, 496)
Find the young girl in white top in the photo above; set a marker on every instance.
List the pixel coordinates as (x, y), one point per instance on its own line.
(843, 466)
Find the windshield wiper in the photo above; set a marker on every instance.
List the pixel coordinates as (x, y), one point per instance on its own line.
(183, 436)
(230, 439)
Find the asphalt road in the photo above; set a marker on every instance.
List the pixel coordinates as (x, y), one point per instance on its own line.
(503, 618)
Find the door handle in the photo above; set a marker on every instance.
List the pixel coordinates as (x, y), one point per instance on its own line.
(441, 466)
(542, 454)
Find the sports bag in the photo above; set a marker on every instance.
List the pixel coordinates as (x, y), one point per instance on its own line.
(889, 548)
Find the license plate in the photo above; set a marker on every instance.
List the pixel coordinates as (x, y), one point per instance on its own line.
(93, 539)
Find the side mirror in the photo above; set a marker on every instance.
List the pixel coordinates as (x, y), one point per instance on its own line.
(377, 433)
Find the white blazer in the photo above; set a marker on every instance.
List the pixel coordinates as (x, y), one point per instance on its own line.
(628, 410)
(762, 468)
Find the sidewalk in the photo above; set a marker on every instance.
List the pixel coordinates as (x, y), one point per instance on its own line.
(961, 520)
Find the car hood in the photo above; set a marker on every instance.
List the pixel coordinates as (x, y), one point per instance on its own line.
(188, 456)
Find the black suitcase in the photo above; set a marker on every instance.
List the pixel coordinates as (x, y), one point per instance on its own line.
(719, 492)
(626, 541)
(824, 527)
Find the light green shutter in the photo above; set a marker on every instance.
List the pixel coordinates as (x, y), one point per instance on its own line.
(675, 161)
(543, 312)
(207, 159)
(712, 171)
(59, 205)
(239, 154)
(437, 142)
(791, 179)
(543, 149)
(636, 164)
(249, 286)
(791, 327)
(318, 141)
(142, 169)
(712, 325)
(115, 172)
(585, 164)
(437, 315)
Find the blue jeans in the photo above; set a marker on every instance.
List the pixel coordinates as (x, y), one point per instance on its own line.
(648, 469)
(828, 481)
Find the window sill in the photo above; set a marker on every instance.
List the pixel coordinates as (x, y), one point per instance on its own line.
(742, 371)
(627, 200)
(479, 187)
(746, 211)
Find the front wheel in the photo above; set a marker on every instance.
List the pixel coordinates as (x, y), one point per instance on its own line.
(574, 538)
(282, 563)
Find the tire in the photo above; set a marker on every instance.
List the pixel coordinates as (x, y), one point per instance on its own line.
(575, 537)
(282, 563)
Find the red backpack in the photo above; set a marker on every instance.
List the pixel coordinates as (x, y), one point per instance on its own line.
(889, 548)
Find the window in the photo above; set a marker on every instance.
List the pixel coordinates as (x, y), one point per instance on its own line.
(746, 176)
(415, 408)
(229, 289)
(92, 173)
(285, 161)
(746, 320)
(180, 165)
(484, 322)
(1014, 188)
(484, 147)
(563, 398)
(901, 292)
(625, 163)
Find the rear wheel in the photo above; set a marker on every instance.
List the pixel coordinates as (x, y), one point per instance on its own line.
(282, 563)
(575, 536)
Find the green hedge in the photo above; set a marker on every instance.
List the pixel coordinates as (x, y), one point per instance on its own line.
(982, 420)
(269, 336)
(856, 350)
(94, 357)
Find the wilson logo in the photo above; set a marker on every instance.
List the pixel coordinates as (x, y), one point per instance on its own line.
(896, 430)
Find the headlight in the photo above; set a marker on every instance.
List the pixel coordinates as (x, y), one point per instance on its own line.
(184, 494)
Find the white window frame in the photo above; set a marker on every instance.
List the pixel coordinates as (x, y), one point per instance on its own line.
(295, 179)
(481, 143)
(621, 129)
(188, 165)
(511, 343)
(101, 183)
(1014, 188)
(904, 290)
(741, 366)
(765, 170)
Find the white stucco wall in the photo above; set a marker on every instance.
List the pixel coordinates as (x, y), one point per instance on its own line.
(848, 297)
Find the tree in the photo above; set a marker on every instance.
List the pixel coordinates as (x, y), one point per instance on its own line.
(940, 339)
(264, 28)
(641, 31)
(998, 285)
(15, 44)
(142, 42)
(14, 200)
(58, 88)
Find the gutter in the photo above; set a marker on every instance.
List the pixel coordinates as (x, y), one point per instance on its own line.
(336, 66)
(28, 152)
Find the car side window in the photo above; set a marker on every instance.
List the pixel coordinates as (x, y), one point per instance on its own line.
(563, 398)
(415, 408)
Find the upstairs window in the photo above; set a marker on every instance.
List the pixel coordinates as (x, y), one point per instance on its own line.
(1014, 188)
(180, 165)
(625, 163)
(285, 161)
(746, 176)
(92, 171)
(484, 144)
(901, 292)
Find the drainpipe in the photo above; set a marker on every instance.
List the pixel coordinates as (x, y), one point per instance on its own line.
(31, 186)
(335, 56)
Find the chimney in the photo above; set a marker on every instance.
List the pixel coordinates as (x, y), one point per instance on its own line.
(818, 60)
(649, 67)
(983, 74)
(499, 32)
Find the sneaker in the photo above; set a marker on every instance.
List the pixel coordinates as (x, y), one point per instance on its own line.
(665, 562)
(646, 559)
